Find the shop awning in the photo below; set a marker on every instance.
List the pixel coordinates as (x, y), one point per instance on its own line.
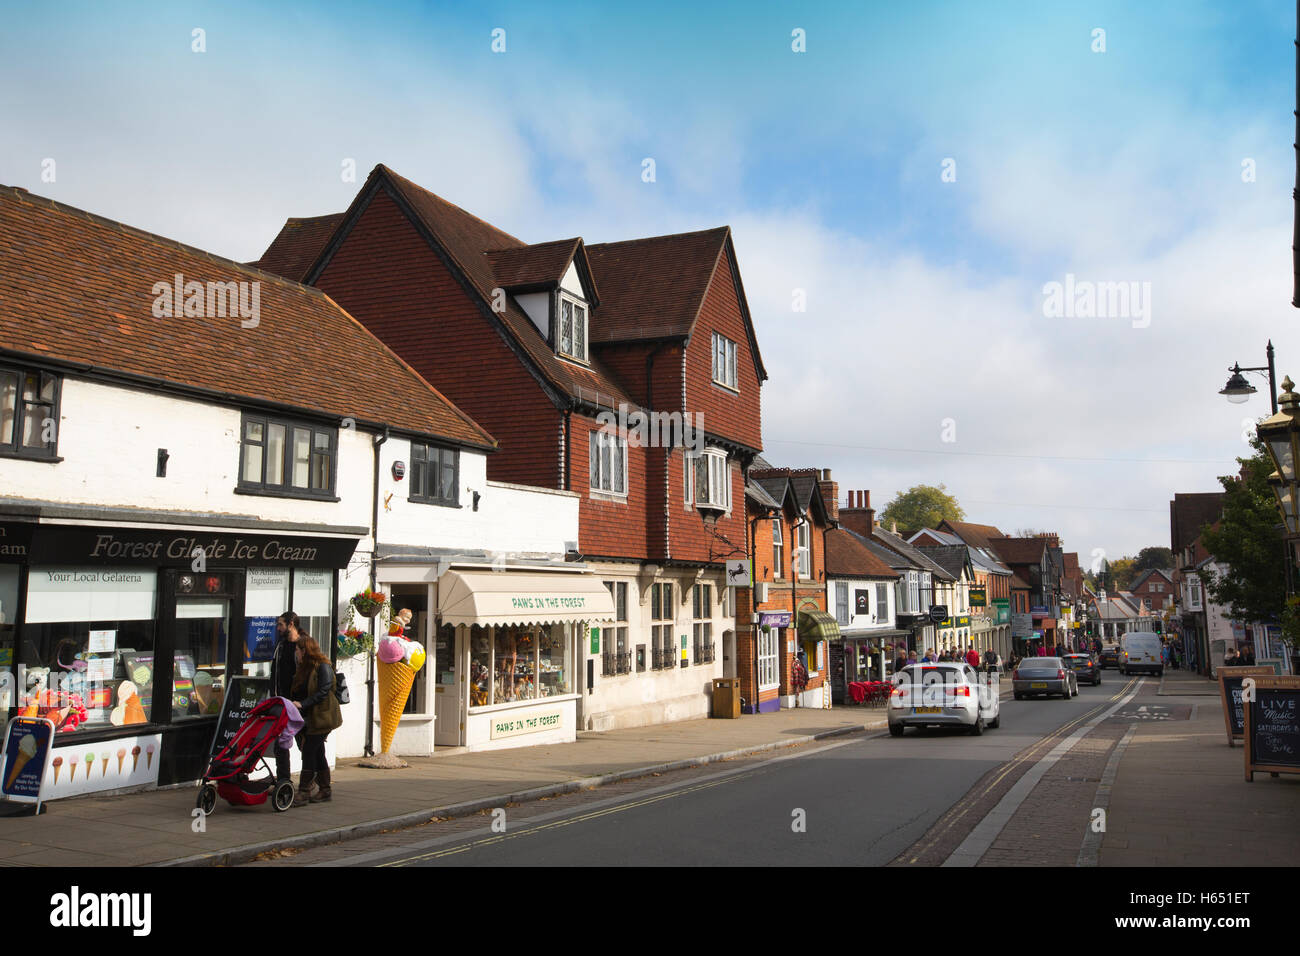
(502, 597)
(818, 626)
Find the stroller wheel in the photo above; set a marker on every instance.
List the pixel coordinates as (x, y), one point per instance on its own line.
(207, 801)
(282, 798)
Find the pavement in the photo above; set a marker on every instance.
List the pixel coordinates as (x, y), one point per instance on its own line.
(1174, 793)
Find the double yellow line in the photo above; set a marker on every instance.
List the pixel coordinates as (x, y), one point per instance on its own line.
(1029, 756)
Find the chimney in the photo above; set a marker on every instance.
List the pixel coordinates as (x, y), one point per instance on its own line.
(858, 515)
(830, 492)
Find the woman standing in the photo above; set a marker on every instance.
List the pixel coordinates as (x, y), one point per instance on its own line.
(313, 693)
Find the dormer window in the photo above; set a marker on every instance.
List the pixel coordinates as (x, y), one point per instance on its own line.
(571, 334)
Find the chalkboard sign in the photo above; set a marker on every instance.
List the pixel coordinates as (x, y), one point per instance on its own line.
(242, 695)
(1273, 727)
(1234, 713)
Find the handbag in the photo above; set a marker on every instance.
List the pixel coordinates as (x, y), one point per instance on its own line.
(341, 688)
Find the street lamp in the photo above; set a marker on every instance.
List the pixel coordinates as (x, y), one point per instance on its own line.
(1239, 390)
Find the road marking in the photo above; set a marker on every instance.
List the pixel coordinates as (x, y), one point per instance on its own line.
(1089, 852)
(955, 814)
(987, 830)
(601, 808)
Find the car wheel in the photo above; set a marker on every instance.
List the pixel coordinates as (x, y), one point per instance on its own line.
(977, 729)
(1018, 696)
(996, 722)
(895, 730)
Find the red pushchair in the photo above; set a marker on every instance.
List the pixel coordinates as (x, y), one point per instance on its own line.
(228, 772)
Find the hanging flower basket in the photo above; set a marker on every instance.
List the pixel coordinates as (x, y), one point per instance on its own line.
(369, 603)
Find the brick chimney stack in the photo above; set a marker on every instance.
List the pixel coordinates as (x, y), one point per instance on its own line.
(830, 492)
(858, 514)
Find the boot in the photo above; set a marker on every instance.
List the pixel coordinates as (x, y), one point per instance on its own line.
(303, 796)
(323, 793)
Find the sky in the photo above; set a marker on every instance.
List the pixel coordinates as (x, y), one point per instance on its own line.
(902, 193)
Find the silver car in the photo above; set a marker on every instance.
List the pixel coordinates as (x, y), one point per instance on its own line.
(944, 695)
(1046, 676)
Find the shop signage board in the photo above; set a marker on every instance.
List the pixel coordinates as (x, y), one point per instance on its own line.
(81, 767)
(774, 619)
(979, 597)
(514, 725)
(1234, 712)
(26, 758)
(73, 545)
(595, 640)
(259, 639)
(738, 575)
(938, 613)
(1021, 625)
(1272, 735)
(242, 695)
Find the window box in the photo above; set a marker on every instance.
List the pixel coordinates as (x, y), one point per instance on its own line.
(287, 458)
(29, 413)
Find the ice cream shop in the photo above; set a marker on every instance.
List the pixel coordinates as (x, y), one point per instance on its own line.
(126, 634)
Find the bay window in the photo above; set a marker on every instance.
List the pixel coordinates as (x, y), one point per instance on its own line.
(712, 480)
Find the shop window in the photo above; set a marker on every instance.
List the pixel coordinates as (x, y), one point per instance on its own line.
(9, 574)
(266, 597)
(435, 475)
(200, 635)
(29, 413)
(702, 625)
(283, 457)
(87, 647)
(615, 658)
(663, 654)
(313, 602)
(514, 663)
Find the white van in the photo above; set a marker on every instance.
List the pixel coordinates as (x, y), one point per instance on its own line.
(1141, 652)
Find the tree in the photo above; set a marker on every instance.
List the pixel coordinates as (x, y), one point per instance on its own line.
(1153, 559)
(1120, 574)
(921, 506)
(1248, 542)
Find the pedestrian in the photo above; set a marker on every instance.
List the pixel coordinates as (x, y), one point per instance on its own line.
(911, 657)
(313, 691)
(973, 657)
(1247, 656)
(1230, 659)
(283, 667)
(900, 661)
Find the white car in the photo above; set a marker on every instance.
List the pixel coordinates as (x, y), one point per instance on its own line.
(944, 695)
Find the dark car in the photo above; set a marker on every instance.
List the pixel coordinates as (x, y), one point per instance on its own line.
(1109, 656)
(1085, 667)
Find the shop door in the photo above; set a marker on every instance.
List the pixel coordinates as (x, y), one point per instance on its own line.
(448, 691)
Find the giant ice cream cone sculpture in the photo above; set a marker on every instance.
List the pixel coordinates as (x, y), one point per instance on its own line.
(399, 659)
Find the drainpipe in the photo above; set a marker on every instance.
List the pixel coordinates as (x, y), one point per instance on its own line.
(375, 442)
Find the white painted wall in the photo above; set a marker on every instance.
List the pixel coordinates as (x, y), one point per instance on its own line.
(109, 439)
(877, 619)
(537, 305)
(654, 697)
(572, 283)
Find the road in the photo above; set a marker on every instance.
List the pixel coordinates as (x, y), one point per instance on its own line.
(867, 800)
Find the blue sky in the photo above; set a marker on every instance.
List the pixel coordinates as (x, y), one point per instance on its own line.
(924, 297)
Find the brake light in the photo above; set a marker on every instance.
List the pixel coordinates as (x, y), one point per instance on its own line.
(962, 691)
(1015, 674)
(1060, 675)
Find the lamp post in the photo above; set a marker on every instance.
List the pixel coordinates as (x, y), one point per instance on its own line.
(1239, 390)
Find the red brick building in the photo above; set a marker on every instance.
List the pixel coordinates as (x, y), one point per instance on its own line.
(790, 511)
(627, 373)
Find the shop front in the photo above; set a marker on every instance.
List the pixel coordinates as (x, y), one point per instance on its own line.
(127, 635)
(502, 649)
(817, 631)
(863, 657)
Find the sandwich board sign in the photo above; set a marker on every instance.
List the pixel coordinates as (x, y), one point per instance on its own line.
(242, 695)
(1273, 727)
(27, 752)
(1234, 710)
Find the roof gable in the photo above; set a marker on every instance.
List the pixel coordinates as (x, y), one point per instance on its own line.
(847, 556)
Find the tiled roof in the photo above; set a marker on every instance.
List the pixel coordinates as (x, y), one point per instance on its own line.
(79, 288)
(847, 556)
(1018, 583)
(951, 557)
(654, 288)
(538, 266)
(890, 557)
(757, 492)
(1189, 513)
(1020, 550)
(297, 246)
(979, 535)
(895, 543)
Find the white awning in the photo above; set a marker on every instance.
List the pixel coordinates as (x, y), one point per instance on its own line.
(503, 597)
